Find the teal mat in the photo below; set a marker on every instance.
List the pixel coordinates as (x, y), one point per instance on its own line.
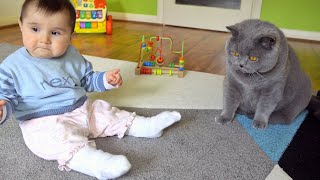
(275, 139)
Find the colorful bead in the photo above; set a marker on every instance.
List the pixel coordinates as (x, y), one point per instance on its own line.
(152, 57)
(146, 71)
(148, 63)
(160, 60)
(181, 63)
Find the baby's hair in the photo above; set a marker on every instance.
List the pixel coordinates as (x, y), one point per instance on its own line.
(51, 7)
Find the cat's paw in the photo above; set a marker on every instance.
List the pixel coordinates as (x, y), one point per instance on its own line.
(260, 124)
(221, 120)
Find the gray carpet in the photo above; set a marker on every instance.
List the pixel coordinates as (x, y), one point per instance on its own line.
(194, 148)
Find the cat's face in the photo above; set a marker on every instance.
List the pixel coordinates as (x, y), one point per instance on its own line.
(253, 47)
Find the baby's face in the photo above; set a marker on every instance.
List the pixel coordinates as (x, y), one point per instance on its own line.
(45, 35)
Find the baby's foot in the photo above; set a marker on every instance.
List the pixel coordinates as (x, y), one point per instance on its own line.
(152, 127)
(99, 164)
(114, 167)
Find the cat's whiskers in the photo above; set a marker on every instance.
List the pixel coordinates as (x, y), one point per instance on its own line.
(257, 77)
(252, 77)
(260, 76)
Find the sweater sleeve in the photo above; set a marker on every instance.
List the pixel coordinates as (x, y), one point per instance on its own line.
(7, 93)
(93, 80)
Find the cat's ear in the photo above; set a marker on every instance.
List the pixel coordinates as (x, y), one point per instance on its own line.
(267, 42)
(233, 31)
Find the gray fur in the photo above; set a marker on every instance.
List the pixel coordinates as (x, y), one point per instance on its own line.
(272, 89)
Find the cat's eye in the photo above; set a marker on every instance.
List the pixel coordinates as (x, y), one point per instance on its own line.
(235, 53)
(252, 58)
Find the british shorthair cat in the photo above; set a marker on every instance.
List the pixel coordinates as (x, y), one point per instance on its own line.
(263, 77)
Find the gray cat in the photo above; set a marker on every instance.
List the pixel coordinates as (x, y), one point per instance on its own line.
(263, 78)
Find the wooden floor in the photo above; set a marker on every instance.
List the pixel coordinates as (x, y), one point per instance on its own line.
(203, 50)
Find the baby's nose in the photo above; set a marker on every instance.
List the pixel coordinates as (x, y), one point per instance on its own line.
(45, 38)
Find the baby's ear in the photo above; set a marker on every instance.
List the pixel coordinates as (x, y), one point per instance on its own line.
(233, 31)
(20, 24)
(73, 35)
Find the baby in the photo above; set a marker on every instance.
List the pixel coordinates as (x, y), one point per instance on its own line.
(44, 85)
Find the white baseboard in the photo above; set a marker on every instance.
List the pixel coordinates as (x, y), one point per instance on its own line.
(306, 35)
(136, 17)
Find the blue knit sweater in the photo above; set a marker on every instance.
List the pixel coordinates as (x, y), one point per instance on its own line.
(36, 87)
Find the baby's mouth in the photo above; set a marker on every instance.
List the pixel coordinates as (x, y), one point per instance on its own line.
(45, 48)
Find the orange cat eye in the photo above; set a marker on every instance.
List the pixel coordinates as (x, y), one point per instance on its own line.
(253, 58)
(235, 53)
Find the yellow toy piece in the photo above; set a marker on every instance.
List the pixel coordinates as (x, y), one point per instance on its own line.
(91, 16)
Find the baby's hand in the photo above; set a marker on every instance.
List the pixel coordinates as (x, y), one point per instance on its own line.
(2, 103)
(114, 78)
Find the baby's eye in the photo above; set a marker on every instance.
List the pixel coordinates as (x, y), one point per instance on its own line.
(55, 33)
(235, 53)
(252, 58)
(35, 29)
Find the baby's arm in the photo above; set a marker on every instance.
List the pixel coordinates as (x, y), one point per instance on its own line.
(99, 81)
(2, 106)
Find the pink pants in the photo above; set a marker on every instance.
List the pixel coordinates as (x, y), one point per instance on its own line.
(59, 137)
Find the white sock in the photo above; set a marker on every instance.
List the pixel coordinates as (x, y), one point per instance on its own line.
(151, 127)
(99, 164)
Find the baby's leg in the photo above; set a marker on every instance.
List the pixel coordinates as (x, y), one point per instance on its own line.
(109, 121)
(99, 164)
(152, 127)
(65, 138)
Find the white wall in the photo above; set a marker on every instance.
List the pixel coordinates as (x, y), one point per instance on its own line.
(10, 11)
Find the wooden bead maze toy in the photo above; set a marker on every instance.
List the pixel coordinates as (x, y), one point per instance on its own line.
(153, 51)
(91, 16)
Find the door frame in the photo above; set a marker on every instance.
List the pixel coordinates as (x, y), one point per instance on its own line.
(255, 10)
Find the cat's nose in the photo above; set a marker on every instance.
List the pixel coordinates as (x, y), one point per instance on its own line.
(241, 65)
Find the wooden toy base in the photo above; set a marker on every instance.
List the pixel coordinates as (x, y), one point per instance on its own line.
(164, 70)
